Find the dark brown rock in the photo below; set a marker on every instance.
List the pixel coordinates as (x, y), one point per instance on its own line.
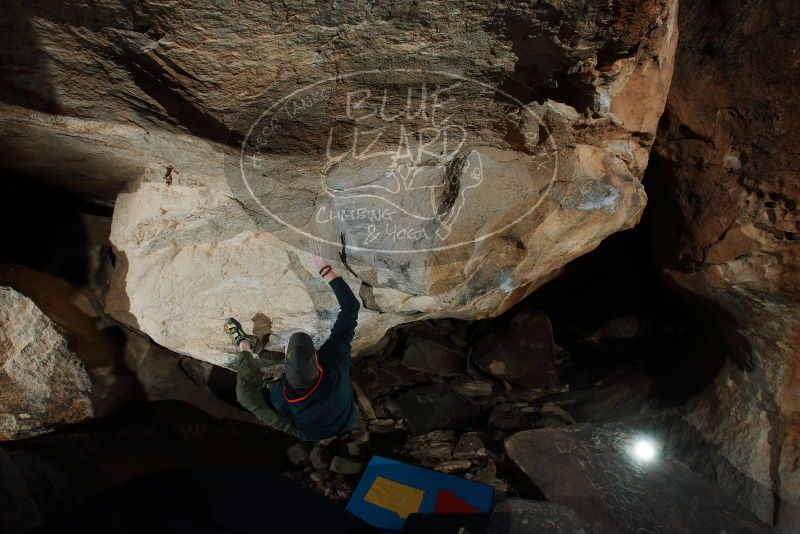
(521, 516)
(433, 407)
(553, 416)
(64, 471)
(591, 470)
(519, 349)
(724, 190)
(470, 447)
(320, 458)
(298, 454)
(506, 417)
(379, 380)
(432, 357)
(433, 452)
(346, 466)
(472, 388)
(487, 474)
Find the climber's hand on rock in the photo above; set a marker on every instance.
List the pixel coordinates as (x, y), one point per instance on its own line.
(315, 255)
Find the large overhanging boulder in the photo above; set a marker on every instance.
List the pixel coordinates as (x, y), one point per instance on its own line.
(450, 158)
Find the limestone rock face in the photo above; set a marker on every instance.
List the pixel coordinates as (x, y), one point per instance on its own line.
(42, 382)
(450, 158)
(727, 228)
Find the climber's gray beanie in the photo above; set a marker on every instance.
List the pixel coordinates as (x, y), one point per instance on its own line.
(300, 366)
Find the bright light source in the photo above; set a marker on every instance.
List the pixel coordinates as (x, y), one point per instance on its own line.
(644, 450)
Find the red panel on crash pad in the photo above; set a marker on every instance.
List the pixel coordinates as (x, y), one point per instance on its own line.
(448, 502)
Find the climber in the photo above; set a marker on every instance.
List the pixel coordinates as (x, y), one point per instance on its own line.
(313, 399)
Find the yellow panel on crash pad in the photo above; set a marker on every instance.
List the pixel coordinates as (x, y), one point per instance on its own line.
(398, 498)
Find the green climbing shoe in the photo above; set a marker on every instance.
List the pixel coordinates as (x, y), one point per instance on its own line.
(237, 335)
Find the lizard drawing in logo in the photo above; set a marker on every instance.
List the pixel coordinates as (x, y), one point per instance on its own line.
(426, 187)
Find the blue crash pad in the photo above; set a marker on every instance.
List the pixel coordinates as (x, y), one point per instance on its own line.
(389, 491)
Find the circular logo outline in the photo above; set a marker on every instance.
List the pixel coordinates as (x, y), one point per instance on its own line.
(359, 248)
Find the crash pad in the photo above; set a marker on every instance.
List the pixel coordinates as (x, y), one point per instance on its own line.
(389, 491)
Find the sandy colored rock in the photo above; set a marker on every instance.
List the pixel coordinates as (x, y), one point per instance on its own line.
(158, 104)
(71, 308)
(453, 466)
(95, 338)
(217, 262)
(42, 382)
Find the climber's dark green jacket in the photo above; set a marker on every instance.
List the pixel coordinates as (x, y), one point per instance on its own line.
(328, 408)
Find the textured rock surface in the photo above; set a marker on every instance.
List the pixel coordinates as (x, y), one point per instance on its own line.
(93, 337)
(71, 308)
(519, 349)
(726, 222)
(591, 471)
(521, 516)
(42, 382)
(470, 447)
(345, 466)
(432, 357)
(123, 366)
(147, 96)
(434, 407)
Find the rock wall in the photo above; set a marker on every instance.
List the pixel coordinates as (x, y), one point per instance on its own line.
(451, 158)
(63, 361)
(726, 227)
(42, 382)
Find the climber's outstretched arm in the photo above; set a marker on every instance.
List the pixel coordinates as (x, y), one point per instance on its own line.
(344, 328)
(337, 348)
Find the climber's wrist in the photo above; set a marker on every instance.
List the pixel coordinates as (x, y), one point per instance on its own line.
(329, 274)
